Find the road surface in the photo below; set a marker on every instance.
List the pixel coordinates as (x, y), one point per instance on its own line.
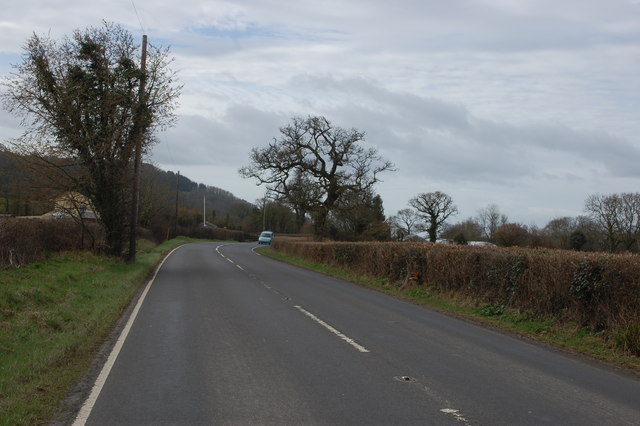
(228, 337)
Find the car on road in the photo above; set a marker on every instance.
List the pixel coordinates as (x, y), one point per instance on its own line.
(266, 237)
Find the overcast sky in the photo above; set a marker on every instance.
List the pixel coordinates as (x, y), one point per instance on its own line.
(528, 104)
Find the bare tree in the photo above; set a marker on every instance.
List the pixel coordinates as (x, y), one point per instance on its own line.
(603, 209)
(301, 190)
(490, 219)
(630, 219)
(435, 208)
(557, 232)
(79, 100)
(314, 165)
(406, 222)
(618, 216)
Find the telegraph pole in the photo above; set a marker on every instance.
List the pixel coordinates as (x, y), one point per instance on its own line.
(175, 223)
(135, 203)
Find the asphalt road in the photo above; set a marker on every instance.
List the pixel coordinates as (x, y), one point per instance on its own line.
(226, 336)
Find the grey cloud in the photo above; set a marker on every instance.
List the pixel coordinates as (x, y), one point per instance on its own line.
(436, 137)
(198, 140)
(616, 155)
(488, 96)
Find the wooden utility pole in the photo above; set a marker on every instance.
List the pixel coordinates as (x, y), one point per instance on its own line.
(135, 203)
(175, 223)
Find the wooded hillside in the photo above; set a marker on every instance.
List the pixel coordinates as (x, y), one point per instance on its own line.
(24, 192)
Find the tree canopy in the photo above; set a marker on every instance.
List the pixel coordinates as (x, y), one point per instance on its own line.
(79, 101)
(435, 208)
(314, 166)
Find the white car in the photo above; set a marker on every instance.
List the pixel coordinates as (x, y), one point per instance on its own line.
(266, 237)
(481, 243)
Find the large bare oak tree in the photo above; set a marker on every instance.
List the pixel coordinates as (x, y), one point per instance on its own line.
(315, 165)
(435, 208)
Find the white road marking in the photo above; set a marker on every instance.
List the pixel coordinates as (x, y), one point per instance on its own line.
(227, 259)
(456, 414)
(333, 330)
(85, 410)
(451, 411)
(219, 252)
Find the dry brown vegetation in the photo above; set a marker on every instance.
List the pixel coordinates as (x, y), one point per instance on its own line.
(24, 240)
(597, 290)
(27, 240)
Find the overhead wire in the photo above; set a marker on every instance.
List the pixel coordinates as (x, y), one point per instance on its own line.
(138, 16)
(165, 141)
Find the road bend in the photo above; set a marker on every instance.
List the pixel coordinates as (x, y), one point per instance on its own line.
(226, 336)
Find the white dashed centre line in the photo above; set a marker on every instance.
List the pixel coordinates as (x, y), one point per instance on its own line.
(333, 330)
(456, 414)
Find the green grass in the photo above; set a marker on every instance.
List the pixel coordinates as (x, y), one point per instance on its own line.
(54, 315)
(570, 337)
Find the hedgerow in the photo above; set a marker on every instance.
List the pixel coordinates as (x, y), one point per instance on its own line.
(24, 241)
(596, 290)
(28, 240)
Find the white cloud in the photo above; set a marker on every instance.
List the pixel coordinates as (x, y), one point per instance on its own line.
(531, 105)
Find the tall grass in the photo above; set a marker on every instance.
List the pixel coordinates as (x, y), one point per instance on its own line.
(53, 317)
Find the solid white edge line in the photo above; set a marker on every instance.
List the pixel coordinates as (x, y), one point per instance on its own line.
(87, 407)
(333, 330)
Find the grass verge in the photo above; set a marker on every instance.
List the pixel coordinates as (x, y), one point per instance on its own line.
(54, 315)
(570, 337)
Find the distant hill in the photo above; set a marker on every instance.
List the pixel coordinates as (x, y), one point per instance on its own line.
(21, 194)
(192, 194)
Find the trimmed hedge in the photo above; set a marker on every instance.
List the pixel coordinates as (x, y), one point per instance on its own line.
(597, 290)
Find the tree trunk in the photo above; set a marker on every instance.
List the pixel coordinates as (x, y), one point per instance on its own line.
(319, 224)
(433, 232)
(300, 218)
